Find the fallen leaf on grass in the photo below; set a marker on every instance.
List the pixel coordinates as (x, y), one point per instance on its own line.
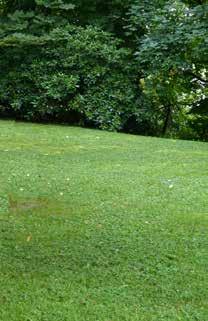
(29, 238)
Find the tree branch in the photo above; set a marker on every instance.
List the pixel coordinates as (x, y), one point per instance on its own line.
(198, 77)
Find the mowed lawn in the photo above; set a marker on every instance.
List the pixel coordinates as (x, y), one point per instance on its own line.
(98, 226)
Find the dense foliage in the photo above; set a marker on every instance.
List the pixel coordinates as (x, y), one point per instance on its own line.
(138, 66)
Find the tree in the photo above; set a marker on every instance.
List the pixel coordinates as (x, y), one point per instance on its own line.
(172, 58)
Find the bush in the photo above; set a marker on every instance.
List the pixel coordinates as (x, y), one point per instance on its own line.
(67, 71)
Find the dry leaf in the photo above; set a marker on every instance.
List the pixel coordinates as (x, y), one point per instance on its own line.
(29, 238)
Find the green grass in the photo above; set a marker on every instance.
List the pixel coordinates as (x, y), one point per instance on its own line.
(98, 226)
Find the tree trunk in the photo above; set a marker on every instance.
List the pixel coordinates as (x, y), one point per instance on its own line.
(167, 120)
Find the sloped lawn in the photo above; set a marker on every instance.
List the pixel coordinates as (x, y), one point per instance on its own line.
(98, 226)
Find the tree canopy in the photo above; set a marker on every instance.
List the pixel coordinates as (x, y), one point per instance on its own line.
(139, 66)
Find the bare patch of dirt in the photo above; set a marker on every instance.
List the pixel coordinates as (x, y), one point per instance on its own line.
(16, 205)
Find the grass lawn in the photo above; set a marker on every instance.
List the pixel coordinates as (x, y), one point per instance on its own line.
(98, 226)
